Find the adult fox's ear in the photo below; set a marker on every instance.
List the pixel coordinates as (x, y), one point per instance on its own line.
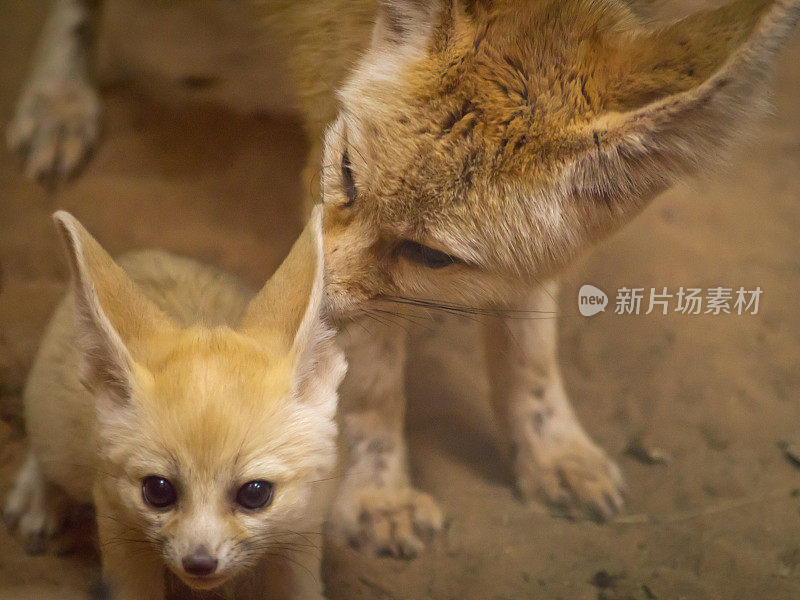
(673, 100)
(409, 24)
(114, 320)
(286, 316)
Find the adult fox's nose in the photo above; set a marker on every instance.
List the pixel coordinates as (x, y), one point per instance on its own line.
(200, 562)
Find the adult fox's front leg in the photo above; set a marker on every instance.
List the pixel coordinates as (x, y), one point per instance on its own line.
(55, 124)
(377, 509)
(553, 456)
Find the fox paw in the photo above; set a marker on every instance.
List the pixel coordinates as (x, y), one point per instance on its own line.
(575, 477)
(55, 126)
(396, 522)
(33, 518)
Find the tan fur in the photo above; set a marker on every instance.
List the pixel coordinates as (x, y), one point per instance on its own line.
(145, 369)
(55, 124)
(515, 134)
(511, 134)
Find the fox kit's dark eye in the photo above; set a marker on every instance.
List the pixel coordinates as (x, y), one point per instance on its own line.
(158, 491)
(255, 494)
(348, 183)
(426, 256)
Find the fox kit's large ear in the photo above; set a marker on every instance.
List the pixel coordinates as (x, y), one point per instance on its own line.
(113, 318)
(673, 100)
(287, 314)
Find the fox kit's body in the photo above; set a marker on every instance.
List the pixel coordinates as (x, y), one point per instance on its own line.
(215, 401)
(473, 148)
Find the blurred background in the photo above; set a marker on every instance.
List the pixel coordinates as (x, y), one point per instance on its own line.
(200, 155)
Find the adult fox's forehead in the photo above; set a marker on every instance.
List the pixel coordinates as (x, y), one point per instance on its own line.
(495, 102)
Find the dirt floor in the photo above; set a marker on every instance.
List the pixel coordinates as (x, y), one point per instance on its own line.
(718, 394)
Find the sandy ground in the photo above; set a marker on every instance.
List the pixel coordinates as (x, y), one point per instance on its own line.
(717, 393)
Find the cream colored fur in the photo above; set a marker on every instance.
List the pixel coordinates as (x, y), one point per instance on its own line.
(511, 135)
(162, 366)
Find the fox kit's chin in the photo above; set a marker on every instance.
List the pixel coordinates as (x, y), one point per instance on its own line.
(202, 582)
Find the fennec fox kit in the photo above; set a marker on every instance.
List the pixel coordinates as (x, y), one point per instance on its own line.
(476, 147)
(199, 425)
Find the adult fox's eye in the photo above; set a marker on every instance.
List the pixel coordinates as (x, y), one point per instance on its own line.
(255, 494)
(348, 183)
(158, 491)
(426, 256)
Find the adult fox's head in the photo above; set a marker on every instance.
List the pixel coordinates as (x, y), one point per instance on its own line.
(481, 145)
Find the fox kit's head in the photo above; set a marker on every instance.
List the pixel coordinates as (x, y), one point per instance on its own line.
(484, 143)
(212, 442)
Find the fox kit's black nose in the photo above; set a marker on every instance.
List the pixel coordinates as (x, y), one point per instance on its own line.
(199, 563)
